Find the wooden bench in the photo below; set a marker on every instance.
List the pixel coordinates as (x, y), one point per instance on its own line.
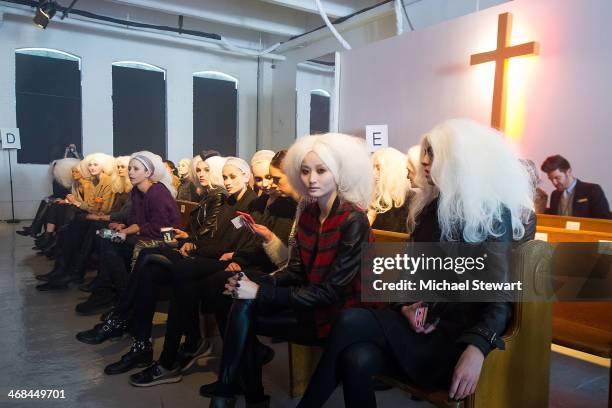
(581, 224)
(583, 326)
(185, 208)
(554, 235)
(516, 377)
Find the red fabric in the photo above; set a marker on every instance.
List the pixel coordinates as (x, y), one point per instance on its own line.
(318, 248)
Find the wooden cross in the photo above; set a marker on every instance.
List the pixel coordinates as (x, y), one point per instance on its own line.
(501, 55)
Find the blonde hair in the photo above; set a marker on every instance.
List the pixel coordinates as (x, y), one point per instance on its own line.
(121, 184)
(106, 162)
(392, 186)
(476, 177)
(345, 156)
(61, 170)
(215, 165)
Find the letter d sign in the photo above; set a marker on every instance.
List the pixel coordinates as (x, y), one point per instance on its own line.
(10, 138)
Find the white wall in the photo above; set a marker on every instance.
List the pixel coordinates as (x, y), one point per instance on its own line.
(558, 102)
(98, 51)
(279, 106)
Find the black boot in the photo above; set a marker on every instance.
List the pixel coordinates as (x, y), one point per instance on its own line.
(222, 402)
(59, 282)
(111, 329)
(43, 240)
(25, 232)
(139, 356)
(53, 274)
(98, 302)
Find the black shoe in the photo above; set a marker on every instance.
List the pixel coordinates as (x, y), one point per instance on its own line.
(208, 390)
(140, 355)
(107, 315)
(112, 329)
(54, 285)
(25, 232)
(45, 241)
(98, 302)
(187, 358)
(264, 403)
(49, 275)
(156, 374)
(222, 402)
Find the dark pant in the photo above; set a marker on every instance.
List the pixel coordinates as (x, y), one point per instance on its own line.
(115, 259)
(75, 245)
(240, 357)
(159, 269)
(40, 218)
(60, 214)
(356, 350)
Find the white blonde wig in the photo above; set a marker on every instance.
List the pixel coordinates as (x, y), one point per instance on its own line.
(215, 164)
(262, 156)
(345, 156)
(193, 167)
(414, 158)
(155, 164)
(106, 162)
(61, 170)
(392, 186)
(121, 184)
(476, 175)
(241, 165)
(184, 162)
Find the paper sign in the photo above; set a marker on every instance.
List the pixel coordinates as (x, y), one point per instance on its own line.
(541, 236)
(572, 225)
(377, 137)
(9, 137)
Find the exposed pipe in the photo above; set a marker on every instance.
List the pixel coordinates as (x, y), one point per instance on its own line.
(331, 26)
(213, 45)
(399, 18)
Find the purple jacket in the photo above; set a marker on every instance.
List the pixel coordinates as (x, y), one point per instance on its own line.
(154, 210)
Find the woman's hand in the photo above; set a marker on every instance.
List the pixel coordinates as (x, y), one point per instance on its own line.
(70, 199)
(180, 234)
(92, 217)
(187, 248)
(233, 267)
(409, 312)
(263, 232)
(240, 286)
(226, 256)
(116, 226)
(467, 372)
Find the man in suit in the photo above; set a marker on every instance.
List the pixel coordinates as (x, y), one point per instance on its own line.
(572, 196)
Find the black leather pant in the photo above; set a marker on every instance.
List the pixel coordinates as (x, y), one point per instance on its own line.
(356, 350)
(75, 245)
(40, 218)
(240, 357)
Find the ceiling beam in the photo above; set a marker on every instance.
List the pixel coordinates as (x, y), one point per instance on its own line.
(242, 13)
(333, 10)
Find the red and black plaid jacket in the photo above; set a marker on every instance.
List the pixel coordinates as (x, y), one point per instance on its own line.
(323, 274)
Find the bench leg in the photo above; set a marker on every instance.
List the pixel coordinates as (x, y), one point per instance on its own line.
(610, 387)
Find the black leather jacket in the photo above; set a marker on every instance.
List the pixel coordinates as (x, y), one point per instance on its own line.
(203, 218)
(291, 287)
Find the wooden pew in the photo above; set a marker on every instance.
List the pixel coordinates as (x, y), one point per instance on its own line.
(554, 235)
(185, 208)
(516, 377)
(582, 224)
(583, 326)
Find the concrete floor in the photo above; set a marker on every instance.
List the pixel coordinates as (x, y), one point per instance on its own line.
(38, 351)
